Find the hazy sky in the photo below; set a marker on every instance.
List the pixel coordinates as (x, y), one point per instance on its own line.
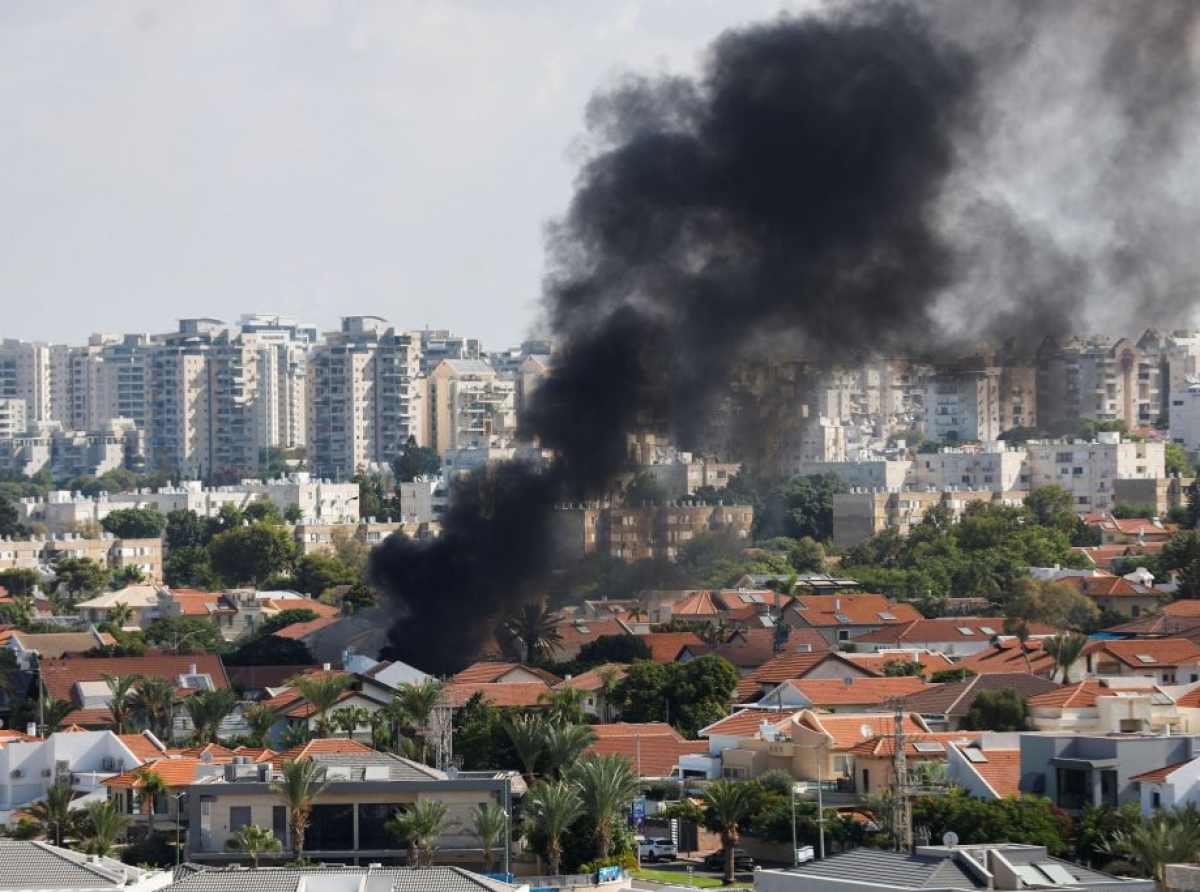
(308, 158)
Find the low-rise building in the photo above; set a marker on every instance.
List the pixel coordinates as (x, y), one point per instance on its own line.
(943, 707)
(1166, 660)
(636, 533)
(958, 636)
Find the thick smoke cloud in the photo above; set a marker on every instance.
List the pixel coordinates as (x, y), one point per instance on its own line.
(885, 176)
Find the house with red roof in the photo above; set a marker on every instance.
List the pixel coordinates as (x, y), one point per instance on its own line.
(923, 663)
(848, 694)
(845, 617)
(1129, 531)
(653, 749)
(1166, 660)
(874, 757)
(987, 766)
(958, 636)
(595, 685)
(809, 665)
(1010, 655)
(747, 649)
(1132, 595)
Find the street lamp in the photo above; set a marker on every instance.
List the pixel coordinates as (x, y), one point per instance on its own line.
(177, 797)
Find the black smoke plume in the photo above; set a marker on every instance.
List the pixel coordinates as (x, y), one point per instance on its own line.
(826, 185)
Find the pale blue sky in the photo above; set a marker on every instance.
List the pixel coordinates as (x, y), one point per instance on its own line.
(310, 158)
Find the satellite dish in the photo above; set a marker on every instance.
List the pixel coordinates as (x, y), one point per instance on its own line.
(848, 680)
(866, 731)
(950, 838)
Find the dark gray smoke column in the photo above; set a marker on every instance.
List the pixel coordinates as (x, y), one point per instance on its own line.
(787, 193)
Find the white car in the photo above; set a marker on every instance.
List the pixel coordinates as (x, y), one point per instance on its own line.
(657, 849)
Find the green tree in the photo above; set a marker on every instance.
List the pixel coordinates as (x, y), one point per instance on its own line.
(120, 705)
(416, 461)
(1098, 825)
(188, 566)
(54, 713)
(690, 695)
(1056, 604)
(285, 618)
(801, 507)
(316, 574)
(263, 512)
(1029, 820)
(1066, 650)
(563, 745)
(321, 692)
(611, 649)
(293, 513)
(489, 822)
(260, 720)
(81, 575)
(228, 517)
(154, 699)
(412, 706)
(1181, 554)
(1169, 836)
(528, 734)
(807, 556)
(420, 826)
(246, 555)
(185, 634)
(104, 827)
(269, 650)
(207, 710)
(550, 810)
(536, 627)
(727, 805)
(350, 718)
(152, 788)
(1176, 460)
(53, 811)
(564, 706)
(10, 525)
(185, 529)
(300, 782)
(18, 581)
(999, 710)
(254, 841)
(606, 785)
(134, 523)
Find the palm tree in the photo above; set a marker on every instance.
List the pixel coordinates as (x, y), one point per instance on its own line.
(52, 812)
(381, 730)
(536, 627)
(294, 735)
(490, 822)
(562, 745)
(120, 705)
(1020, 630)
(54, 713)
(610, 677)
(155, 700)
(350, 718)
(321, 692)
(152, 788)
(420, 826)
(207, 709)
(564, 706)
(119, 614)
(300, 782)
(413, 705)
(1066, 650)
(260, 720)
(105, 826)
(528, 735)
(253, 840)
(606, 786)
(728, 804)
(1168, 837)
(550, 810)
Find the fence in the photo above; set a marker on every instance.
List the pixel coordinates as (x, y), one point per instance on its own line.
(566, 881)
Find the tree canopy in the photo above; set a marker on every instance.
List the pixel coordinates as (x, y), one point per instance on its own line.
(134, 523)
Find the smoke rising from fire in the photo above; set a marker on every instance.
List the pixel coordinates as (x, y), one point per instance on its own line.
(858, 179)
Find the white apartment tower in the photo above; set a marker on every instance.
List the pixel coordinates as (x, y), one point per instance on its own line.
(27, 373)
(963, 406)
(363, 394)
(469, 406)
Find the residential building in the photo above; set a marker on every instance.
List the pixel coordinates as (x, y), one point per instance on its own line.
(1116, 706)
(1167, 660)
(13, 420)
(1073, 770)
(1132, 595)
(1160, 493)
(1010, 655)
(963, 405)
(636, 533)
(348, 817)
(997, 867)
(327, 637)
(1097, 379)
(842, 695)
(30, 646)
(596, 688)
(33, 864)
(923, 663)
(756, 684)
(423, 500)
(842, 618)
(859, 515)
(340, 878)
(322, 538)
(27, 372)
(958, 636)
(438, 345)
(653, 749)
(680, 474)
(1185, 416)
(1169, 786)
(943, 707)
(468, 405)
(875, 758)
(363, 403)
(1089, 470)
(988, 766)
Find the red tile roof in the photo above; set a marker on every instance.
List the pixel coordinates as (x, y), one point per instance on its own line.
(300, 631)
(60, 675)
(257, 678)
(1187, 607)
(575, 633)
(323, 611)
(141, 746)
(323, 746)
(665, 646)
(196, 603)
(1001, 771)
(945, 629)
(501, 694)
(1008, 656)
(789, 666)
(862, 692)
(860, 610)
(175, 772)
(591, 680)
(1080, 695)
(1162, 652)
(487, 672)
(929, 661)
(885, 747)
(750, 648)
(653, 755)
(745, 723)
(633, 729)
(1110, 587)
(847, 730)
(1159, 775)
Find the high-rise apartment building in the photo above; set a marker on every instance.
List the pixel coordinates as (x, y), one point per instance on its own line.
(363, 396)
(27, 373)
(963, 405)
(1098, 379)
(440, 344)
(469, 406)
(13, 419)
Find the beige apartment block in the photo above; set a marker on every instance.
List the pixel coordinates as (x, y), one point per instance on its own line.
(636, 533)
(468, 405)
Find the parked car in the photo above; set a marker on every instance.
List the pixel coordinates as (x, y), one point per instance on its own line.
(657, 849)
(741, 860)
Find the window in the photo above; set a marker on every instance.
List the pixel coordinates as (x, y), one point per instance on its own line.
(371, 820)
(1155, 799)
(331, 829)
(239, 817)
(279, 823)
(866, 780)
(843, 634)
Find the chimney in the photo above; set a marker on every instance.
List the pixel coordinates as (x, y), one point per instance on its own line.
(192, 669)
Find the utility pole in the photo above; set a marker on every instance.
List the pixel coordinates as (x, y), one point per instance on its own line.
(901, 807)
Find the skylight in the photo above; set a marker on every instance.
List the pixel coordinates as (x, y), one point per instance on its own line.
(841, 617)
(928, 746)
(987, 630)
(1146, 658)
(886, 615)
(964, 630)
(1056, 872)
(974, 755)
(198, 682)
